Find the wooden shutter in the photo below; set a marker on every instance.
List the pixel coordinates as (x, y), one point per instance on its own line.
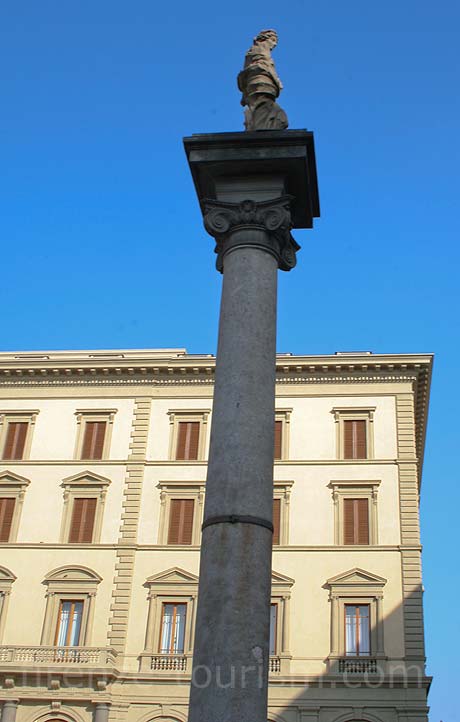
(15, 439)
(82, 523)
(6, 518)
(181, 521)
(278, 439)
(276, 520)
(355, 521)
(93, 440)
(188, 438)
(354, 439)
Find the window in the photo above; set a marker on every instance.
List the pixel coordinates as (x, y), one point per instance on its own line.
(282, 420)
(355, 511)
(355, 439)
(181, 521)
(170, 623)
(188, 434)
(12, 491)
(7, 505)
(6, 583)
(70, 606)
(82, 522)
(276, 521)
(84, 499)
(181, 512)
(357, 630)
(172, 637)
(356, 599)
(16, 434)
(273, 628)
(356, 521)
(69, 623)
(94, 431)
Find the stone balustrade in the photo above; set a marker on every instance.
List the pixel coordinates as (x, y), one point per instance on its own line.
(84, 656)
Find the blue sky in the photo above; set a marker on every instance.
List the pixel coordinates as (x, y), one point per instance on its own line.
(102, 241)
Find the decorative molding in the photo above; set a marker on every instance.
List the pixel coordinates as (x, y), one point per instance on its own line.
(223, 220)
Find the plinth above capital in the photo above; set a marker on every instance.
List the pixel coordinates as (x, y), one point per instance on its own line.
(250, 224)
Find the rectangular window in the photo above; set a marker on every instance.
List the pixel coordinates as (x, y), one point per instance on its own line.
(188, 438)
(356, 521)
(15, 442)
(69, 624)
(6, 518)
(273, 628)
(357, 630)
(276, 520)
(278, 439)
(172, 638)
(82, 522)
(93, 440)
(354, 441)
(181, 521)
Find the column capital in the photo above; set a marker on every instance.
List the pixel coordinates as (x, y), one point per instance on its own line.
(251, 224)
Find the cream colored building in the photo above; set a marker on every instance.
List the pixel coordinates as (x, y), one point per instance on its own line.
(102, 483)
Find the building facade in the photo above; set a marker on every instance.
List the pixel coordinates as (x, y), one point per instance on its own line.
(102, 484)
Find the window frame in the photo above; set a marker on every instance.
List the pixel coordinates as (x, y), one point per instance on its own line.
(369, 618)
(17, 416)
(13, 486)
(346, 413)
(7, 579)
(84, 485)
(355, 489)
(70, 583)
(176, 416)
(282, 491)
(284, 415)
(59, 619)
(172, 586)
(355, 587)
(83, 416)
(170, 490)
(281, 587)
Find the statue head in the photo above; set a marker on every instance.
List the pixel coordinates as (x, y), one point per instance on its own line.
(267, 36)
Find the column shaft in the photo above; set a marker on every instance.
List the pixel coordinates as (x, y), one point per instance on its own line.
(10, 708)
(230, 674)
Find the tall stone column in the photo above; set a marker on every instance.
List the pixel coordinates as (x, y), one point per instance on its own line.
(10, 707)
(250, 218)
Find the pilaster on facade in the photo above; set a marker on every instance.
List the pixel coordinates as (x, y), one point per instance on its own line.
(411, 564)
(131, 506)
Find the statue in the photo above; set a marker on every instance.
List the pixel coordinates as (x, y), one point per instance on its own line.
(260, 85)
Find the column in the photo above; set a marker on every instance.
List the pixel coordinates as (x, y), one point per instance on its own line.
(101, 712)
(10, 707)
(230, 667)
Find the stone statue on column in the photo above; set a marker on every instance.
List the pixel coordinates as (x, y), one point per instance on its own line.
(260, 85)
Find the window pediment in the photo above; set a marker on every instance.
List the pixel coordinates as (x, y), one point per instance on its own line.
(356, 577)
(86, 478)
(175, 575)
(281, 581)
(10, 479)
(6, 577)
(72, 575)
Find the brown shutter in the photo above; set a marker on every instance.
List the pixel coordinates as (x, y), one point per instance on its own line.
(93, 440)
(181, 521)
(276, 520)
(15, 439)
(6, 518)
(278, 439)
(362, 512)
(360, 440)
(348, 522)
(82, 523)
(354, 440)
(188, 439)
(355, 521)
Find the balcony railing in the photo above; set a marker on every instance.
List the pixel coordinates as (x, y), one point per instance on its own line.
(168, 663)
(274, 664)
(78, 656)
(358, 666)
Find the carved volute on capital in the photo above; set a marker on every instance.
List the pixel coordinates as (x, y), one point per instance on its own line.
(272, 219)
